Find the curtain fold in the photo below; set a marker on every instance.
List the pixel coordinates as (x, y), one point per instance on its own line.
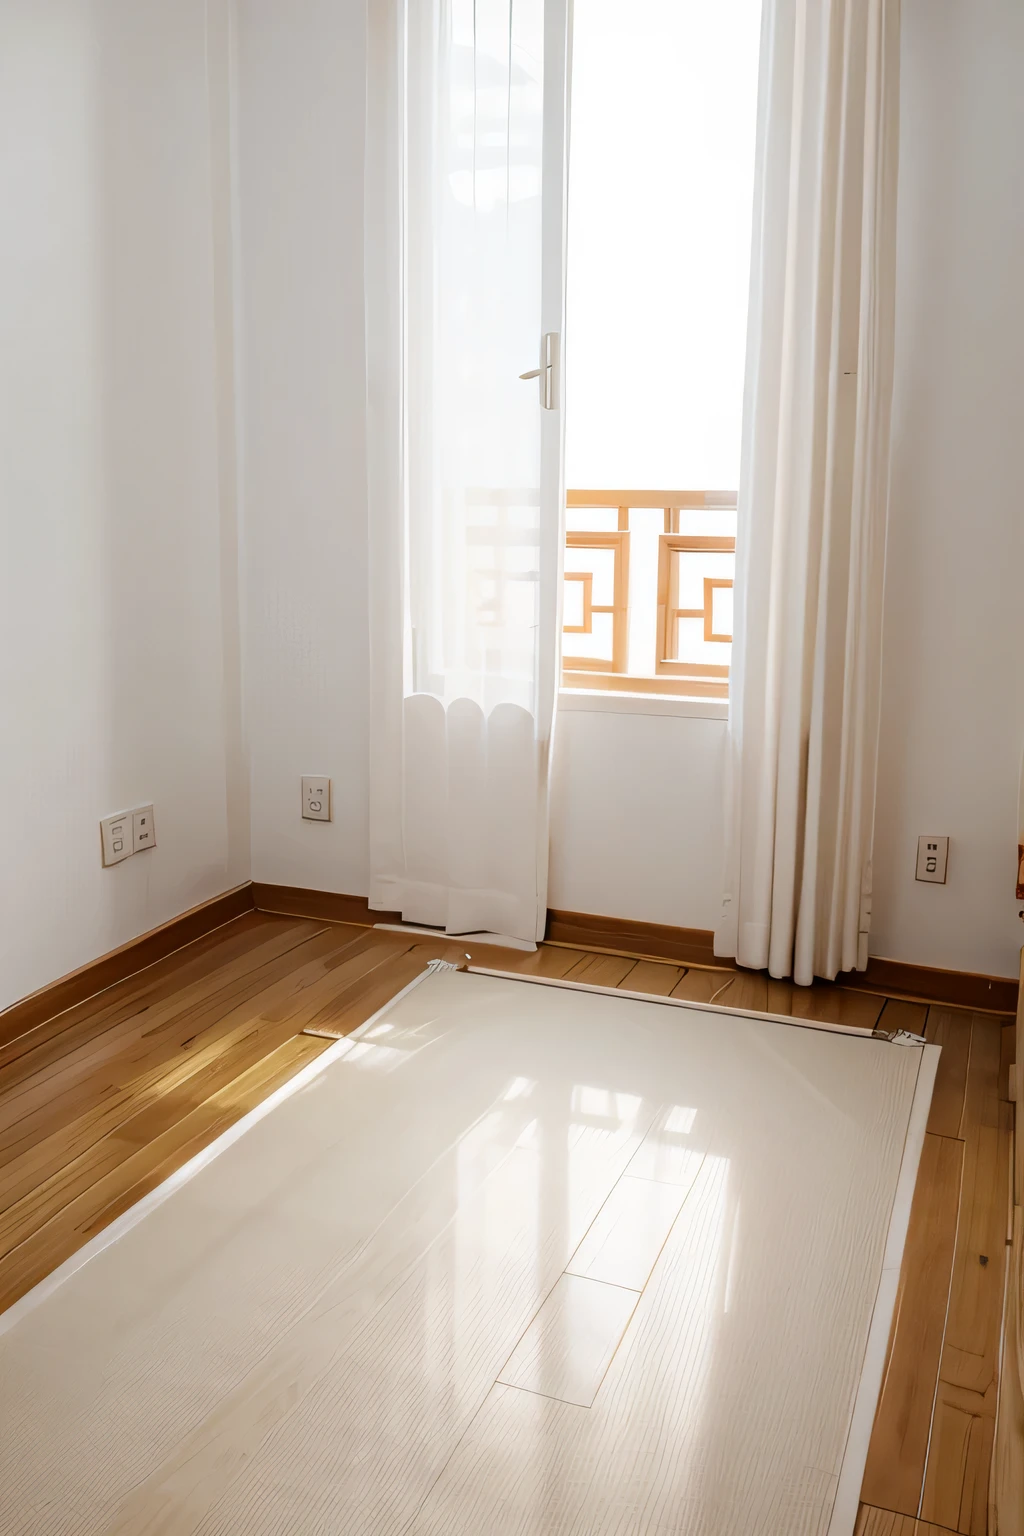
(463, 637)
(813, 501)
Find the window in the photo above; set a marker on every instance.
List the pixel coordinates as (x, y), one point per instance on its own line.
(664, 96)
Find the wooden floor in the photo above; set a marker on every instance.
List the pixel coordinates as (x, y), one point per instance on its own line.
(102, 1103)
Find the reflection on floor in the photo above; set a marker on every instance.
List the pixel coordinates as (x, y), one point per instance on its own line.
(103, 1103)
(521, 1259)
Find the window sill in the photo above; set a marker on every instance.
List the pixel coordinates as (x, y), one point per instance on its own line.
(596, 702)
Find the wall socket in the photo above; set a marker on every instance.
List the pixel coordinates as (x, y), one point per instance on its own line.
(143, 829)
(932, 859)
(127, 833)
(316, 798)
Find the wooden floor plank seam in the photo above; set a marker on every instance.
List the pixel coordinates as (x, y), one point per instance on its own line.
(145, 1092)
(42, 1034)
(9, 1011)
(137, 1097)
(94, 1125)
(165, 962)
(945, 1325)
(96, 1055)
(76, 1223)
(959, 1453)
(205, 989)
(892, 1523)
(935, 1391)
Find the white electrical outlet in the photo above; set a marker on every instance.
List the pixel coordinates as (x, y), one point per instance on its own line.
(127, 833)
(932, 858)
(316, 799)
(116, 833)
(143, 829)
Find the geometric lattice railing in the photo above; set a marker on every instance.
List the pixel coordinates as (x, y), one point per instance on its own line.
(648, 591)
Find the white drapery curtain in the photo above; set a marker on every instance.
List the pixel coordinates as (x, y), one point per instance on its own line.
(463, 576)
(813, 491)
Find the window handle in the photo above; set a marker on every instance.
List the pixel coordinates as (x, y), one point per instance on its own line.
(547, 372)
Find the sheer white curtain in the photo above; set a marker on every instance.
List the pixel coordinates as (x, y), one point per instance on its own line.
(463, 571)
(813, 491)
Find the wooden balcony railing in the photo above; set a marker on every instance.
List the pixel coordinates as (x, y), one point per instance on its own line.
(689, 653)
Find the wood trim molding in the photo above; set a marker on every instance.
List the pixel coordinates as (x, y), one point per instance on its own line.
(956, 989)
(663, 501)
(134, 956)
(695, 946)
(581, 930)
(683, 684)
(587, 930)
(326, 906)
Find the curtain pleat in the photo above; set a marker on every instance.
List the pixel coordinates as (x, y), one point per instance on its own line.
(813, 500)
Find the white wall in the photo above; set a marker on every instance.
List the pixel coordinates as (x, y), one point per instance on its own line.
(118, 651)
(636, 826)
(300, 143)
(637, 817)
(953, 707)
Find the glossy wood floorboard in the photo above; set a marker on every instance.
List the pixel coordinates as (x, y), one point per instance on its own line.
(931, 1450)
(102, 1103)
(885, 1522)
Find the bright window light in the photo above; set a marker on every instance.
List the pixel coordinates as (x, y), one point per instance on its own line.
(664, 99)
(519, 1088)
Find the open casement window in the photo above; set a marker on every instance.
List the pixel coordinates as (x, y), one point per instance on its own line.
(648, 591)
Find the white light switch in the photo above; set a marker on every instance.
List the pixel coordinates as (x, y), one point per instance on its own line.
(143, 829)
(116, 832)
(932, 858)
(316, 799)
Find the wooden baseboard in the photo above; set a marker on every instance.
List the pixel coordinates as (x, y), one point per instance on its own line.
(955, 989)
(134, 956)
(686, 946)
(695, 946)
(585, 930)
(325, 906)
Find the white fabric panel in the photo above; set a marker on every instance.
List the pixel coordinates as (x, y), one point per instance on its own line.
(470, 811)
(463, 615)
(813, 490)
